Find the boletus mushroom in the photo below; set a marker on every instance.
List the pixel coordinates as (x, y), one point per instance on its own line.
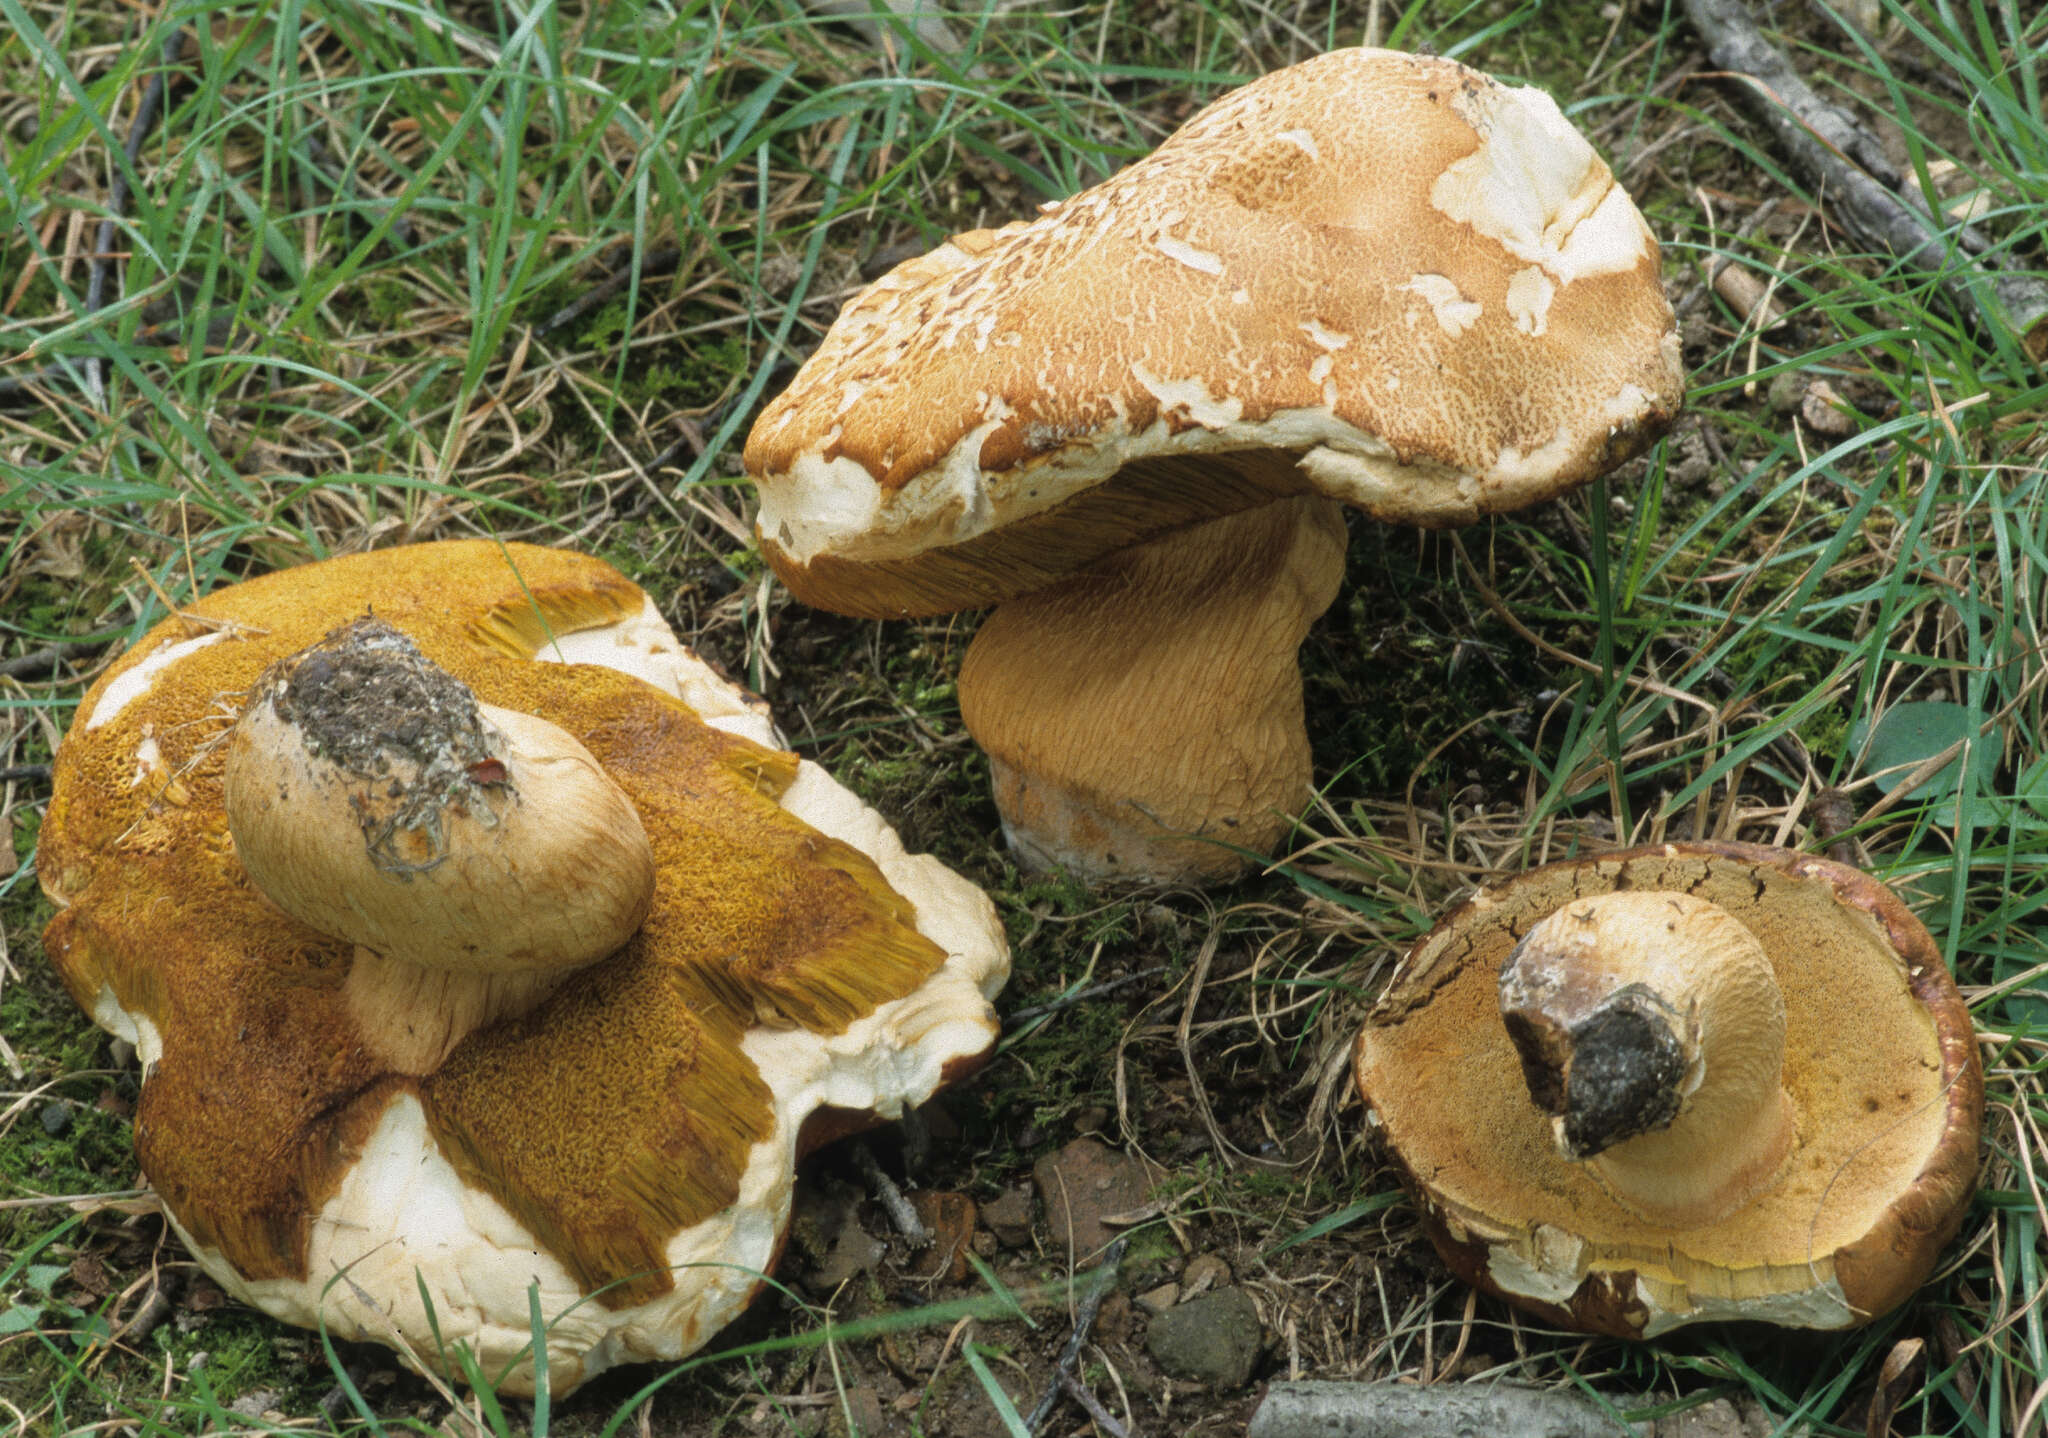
(1373, 280)
(1681, 1083)
(480, 943)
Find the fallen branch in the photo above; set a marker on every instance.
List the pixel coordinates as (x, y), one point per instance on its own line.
(42, 661)
(1442, 1410)
(1848, 165)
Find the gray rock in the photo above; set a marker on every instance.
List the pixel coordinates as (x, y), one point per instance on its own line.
(1214, 1339)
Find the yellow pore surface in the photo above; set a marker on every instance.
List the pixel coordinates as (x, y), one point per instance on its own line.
(1863, 1068)
(620, 1110)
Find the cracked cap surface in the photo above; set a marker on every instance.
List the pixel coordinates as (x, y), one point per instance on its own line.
(1422, 286)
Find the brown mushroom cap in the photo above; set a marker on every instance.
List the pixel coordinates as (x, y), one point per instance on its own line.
(1372, 279)
(1421, 285)
(780, 969)
(1880, 1066)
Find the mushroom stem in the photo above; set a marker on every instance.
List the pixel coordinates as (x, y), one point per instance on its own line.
(418, 1015)
(1651, 1030)
(473, 855)
(1143, 719)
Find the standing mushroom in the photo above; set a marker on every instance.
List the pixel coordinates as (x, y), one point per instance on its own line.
(332, 883)
(1680, 1083)
(1372, 279)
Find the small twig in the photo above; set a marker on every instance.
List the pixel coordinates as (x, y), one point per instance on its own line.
(1104, 1419)
(893, 1202)
(1084, 1319)
(1848, 164)
(117, 197)
(1746, 231)
(25, 774)
(41, 661)
(690, 437)
(656, 263)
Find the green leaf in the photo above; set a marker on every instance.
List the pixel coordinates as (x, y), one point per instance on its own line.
(42, 1277)
(20, 1318)
(2031, 788)
(1907, 735)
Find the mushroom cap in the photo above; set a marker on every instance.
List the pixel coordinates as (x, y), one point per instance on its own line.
(628, 1145)
(1418, 287)
(1880, 1063)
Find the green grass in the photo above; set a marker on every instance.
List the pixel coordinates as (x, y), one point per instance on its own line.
(344, 242)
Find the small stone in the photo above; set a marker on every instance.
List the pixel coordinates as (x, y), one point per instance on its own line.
(1215, 1339)
(855, 1251)
(1787, 392)
(1158, 1300)
(56, 1116)
(114, 1103)
(859, 1413)
(1008, 1217)
(1082, 1185)
(949, 1217)
(254, 1405)
(1719, 1419)
(1826, 412)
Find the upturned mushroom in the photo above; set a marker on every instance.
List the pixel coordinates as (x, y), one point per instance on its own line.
(1688, 1082)
(332, 882)
(1132, 423)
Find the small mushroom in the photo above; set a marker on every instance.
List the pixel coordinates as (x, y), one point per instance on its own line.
(1680, 1083)
(488, 951)
(1373, 280)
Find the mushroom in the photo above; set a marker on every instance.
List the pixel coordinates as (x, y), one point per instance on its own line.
(1681, 1083)
(331, 888)
(1373, 279)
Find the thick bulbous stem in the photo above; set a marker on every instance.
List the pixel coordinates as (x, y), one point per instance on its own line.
(474, 856)
(1143, 719)
(1651, 1030)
